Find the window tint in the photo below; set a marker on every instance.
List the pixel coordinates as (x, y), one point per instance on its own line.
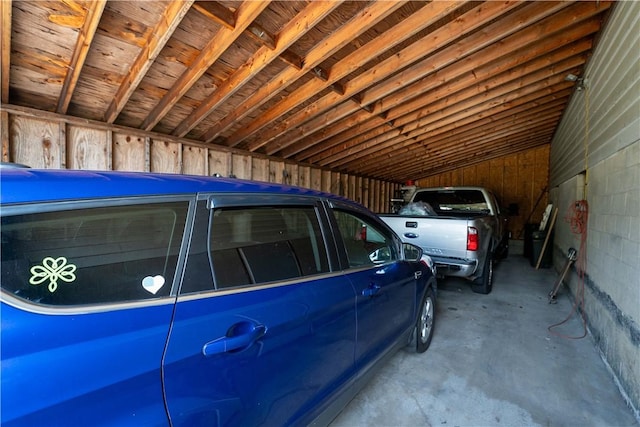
(365, 243)
(94, 255)
(265, 244)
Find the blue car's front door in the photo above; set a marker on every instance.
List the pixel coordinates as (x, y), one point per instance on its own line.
(385, 285)
(263, 330)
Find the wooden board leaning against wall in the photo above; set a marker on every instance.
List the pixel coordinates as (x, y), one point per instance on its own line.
(47, 140)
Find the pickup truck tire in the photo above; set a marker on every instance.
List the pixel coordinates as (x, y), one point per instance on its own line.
(425, 322)
(484, 283)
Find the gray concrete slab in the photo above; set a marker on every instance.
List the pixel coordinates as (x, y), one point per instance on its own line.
(494, 361)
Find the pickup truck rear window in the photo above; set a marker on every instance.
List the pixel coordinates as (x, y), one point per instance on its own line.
(94, 255)
(446, 202)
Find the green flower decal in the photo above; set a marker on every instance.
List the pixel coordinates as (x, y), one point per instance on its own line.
(53, 270)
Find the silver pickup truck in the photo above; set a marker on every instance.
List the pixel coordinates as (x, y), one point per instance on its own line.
(460, 228)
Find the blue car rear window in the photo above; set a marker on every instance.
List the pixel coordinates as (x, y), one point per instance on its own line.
(94, 255)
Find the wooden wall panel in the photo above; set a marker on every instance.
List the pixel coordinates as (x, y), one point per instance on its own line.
(276, 171)
(518, 179)
(316, 179)
(88, 149)
(130, 153)
(260, 169)
(219, 163)
(241, 166)
(304, 176)
(57, 142)
(37, 143)
(194, 161)
(166, 157)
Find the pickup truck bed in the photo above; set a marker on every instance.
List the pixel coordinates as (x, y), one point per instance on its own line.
(463, 231)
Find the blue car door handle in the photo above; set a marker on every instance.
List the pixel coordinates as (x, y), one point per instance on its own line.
(240, 336)
(371, 290)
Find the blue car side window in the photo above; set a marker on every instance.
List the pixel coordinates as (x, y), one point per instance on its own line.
(93, 255)
(364, 242)
(265, 244)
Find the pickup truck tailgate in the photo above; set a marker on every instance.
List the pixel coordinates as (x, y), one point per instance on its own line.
(437, 236)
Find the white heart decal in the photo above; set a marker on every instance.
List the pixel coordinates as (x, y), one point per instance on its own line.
(153, 284)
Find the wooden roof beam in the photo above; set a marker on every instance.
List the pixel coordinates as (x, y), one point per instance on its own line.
(527, 96)
(475, 130)
(495, 60)
(161, 33)
(480, 49)
(428, 14)
(85, 37)
(245, 15)
(5, 66)
(409, 154)
(216, 12)
(307, 19)
(448, 101)
(335, 41)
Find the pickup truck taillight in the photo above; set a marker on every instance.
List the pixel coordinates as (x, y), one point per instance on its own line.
(472, 239)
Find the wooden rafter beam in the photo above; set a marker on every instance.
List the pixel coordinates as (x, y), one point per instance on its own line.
(490, 61)
(360, 23)
(5, 66)
(427, 15)
(307, 18)
(479, 48)
(245, 15)
(216, 12)
(85, 37)
(432, 42)
(158, 37)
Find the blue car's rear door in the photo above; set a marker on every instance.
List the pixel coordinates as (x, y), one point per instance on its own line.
(86, 310)
(263, 329)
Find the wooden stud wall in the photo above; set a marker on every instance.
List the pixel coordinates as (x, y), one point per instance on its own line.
(52, 141)
(520, 179)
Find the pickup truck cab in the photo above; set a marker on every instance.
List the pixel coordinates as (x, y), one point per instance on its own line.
(461, 228)
(149, 299)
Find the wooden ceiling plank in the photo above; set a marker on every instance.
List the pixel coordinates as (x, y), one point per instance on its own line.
(527, 43)
(407, 165)
(335, 41)
(317, 153)
(161, 33)
(445, 91)
(515, 42)
(216, 12)
(419, 20)
(5, 67)
(437, 39)
(85, 37)
(477, 100)
(437, 151)
(224, 38)
(469, 156)
(535, 97)
(417, 104)
(475, 130)
(352, 126)
(296, 28)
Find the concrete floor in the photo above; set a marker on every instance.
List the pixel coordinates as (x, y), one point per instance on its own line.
(494, 362)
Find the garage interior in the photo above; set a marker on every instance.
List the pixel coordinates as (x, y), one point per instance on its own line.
(538, 101)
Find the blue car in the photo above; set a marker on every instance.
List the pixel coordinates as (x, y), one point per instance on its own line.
(151, 299)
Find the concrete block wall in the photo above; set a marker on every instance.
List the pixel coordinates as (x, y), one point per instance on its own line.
(598, 142)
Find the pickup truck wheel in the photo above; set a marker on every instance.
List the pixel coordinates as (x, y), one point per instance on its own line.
(484, 283)
(425, 322)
